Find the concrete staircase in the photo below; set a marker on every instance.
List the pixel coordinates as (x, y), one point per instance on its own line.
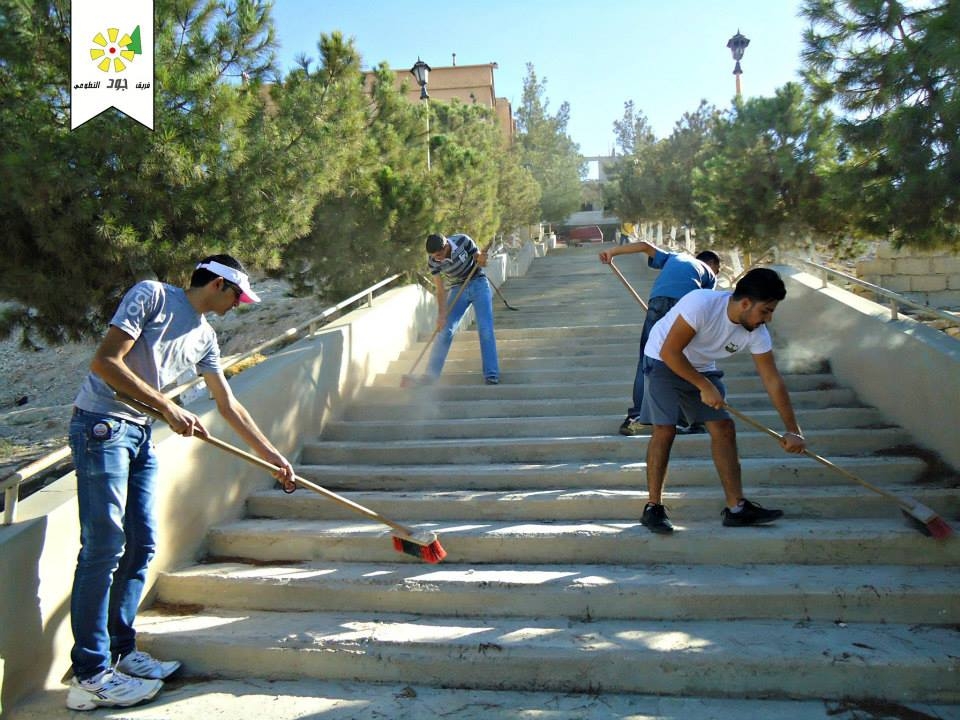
(552, 589)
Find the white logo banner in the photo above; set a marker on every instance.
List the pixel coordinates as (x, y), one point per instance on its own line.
(111, 59)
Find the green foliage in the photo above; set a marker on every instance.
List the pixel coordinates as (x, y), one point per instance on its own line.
(547, 151)
(86, 213)
(653, 180)
(369, 195)
(768, 179)
(312, 174)
(893, 68)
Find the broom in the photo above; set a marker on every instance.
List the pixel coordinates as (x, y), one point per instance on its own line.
(627, 285)
(925, 519)
(500, 295)
(410, 379)
(423, 545)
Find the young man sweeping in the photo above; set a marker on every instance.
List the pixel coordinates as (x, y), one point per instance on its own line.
(680, 273)
(157, 332)
(680, 373)
(459, 261)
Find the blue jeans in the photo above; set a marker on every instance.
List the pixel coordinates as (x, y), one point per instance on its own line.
(479, 294)
(116, 471)
(657, 307)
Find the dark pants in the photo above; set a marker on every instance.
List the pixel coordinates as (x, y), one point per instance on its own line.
(657, 307)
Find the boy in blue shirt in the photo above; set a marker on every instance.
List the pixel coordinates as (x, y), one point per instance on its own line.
(679, 274)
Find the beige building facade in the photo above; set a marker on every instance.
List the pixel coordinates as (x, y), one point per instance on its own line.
(471, 84)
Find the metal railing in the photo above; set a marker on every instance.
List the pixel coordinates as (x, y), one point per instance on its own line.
(895, 300)
(10, 485)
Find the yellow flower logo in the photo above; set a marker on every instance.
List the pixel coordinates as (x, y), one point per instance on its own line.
(110, 51)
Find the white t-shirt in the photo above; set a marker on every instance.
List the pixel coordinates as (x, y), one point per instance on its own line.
(717, 337)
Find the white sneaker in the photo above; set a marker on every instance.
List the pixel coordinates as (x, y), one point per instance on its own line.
(110, 688)
(143, 665)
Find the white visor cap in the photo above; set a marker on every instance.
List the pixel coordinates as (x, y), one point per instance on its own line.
(233, 275)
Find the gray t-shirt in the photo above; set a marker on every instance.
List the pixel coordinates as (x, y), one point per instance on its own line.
(171, 337)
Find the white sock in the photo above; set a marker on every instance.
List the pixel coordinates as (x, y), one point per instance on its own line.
(736, 508)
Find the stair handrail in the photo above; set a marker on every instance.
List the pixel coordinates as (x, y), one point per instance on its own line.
(10, 484)
(896, 299)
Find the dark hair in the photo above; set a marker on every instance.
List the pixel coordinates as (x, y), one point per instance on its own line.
(760, 285)
(709, 257)
(202, 276)
(435, 242)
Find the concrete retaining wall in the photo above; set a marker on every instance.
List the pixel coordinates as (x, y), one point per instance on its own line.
(907, 370)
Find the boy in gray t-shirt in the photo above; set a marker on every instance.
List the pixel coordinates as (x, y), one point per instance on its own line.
(157, 332)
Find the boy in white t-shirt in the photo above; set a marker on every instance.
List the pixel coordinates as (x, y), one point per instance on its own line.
(680, 373)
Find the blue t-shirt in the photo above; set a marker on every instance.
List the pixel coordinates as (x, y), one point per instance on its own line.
(679, 274)
(171, 337)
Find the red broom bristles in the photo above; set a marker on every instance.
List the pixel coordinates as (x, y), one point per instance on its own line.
(431, 553)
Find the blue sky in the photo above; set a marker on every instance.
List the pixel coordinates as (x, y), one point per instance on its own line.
(665, 55)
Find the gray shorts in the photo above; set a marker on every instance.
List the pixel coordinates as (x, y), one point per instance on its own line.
(665, 393)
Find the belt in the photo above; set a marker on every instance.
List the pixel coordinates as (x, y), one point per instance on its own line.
(146, 422)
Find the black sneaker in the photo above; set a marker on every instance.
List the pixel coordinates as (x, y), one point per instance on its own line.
(632, 426)
(491, 381)
(692, 429)
(750, 514)
(655, 519)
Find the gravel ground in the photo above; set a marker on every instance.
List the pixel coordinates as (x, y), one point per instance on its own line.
(37, 387)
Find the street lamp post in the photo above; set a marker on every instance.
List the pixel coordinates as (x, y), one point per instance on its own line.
(737, 44)
(421, 71)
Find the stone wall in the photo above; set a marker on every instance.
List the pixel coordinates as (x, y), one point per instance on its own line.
(932, 278)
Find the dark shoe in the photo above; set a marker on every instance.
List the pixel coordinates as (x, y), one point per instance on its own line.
(693, 429)
(655, 519)
(632, 426)
(491, 381)
(750, 514)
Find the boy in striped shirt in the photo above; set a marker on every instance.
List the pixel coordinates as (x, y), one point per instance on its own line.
(458, 260)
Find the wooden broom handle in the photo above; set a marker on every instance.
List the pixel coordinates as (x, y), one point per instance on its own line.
(822, 460)
(627, 285)
(453, 302)
(253, 459)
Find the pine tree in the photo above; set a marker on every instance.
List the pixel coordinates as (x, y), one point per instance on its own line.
(547, 151)
(893, 68)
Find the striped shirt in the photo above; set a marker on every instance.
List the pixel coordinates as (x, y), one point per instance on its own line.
(461, 261)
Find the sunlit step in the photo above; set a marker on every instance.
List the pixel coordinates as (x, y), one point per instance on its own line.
(881, 593)
(889, 540)
(702, 503)
(785, 470)
(720, 658)
(413, 428)
(601, 448)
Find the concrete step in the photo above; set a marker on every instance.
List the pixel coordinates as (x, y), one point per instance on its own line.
(701, 503)
(550, 583)
(533, 360)
(577, 379)
(832, 593)
(858, 541)
(414, 428)
(601, 448)
(547, 384)
(616, 404)
(786, 470)
(808, 659)
(251, 698)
